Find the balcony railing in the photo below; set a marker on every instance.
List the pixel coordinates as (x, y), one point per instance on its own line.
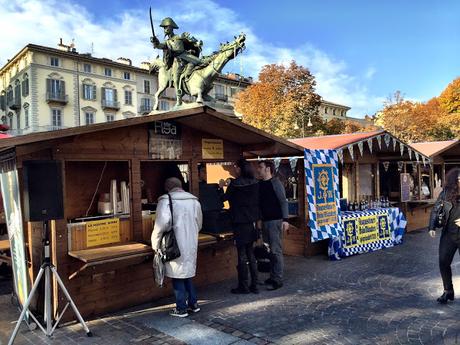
(107, 104)
(56, 97)
(221, 97)
(145, 108)
(14, 103)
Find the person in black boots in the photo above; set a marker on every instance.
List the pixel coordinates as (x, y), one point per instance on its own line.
(274, 213)
(446, 216)
(243, 197)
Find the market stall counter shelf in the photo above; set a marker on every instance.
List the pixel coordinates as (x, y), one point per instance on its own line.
(367, 231)
(104, 243)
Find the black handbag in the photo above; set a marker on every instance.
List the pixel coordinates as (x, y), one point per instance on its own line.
(168, 245)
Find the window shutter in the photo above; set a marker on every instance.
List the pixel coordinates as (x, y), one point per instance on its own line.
(115, 95)
(103, 93)
(48, 85)
(62, 90)
(93, 93)
(83, 91)
(2, 102)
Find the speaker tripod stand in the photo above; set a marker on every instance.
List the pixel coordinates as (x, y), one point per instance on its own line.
(46, 270)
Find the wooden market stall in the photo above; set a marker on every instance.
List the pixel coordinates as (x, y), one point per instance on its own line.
(104, 256)
(372, 165)
(443, 155)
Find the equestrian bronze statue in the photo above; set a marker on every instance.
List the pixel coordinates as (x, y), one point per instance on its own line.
(183, 67)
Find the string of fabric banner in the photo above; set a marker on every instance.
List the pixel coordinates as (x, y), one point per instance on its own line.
(389, 141)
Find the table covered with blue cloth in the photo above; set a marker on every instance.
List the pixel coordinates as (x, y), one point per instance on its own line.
(366, 231)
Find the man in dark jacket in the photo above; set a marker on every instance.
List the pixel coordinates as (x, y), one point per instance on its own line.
(274, 214)
(243, 197)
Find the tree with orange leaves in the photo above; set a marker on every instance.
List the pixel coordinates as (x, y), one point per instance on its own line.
(282, 101)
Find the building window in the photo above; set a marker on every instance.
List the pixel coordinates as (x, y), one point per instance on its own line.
(89, 92)
(333, 111)
(9, 95)
(146, 86)
(54, 61)
(108, 72)
(109, 97)
(164, 105)
(126, 75)
(56, 118)
(110, 117)
(325, 110)
(87, 68)
(55, 89)
(128, 97)
(10, 120)
(233, 91)
(89, 118)
(146, 105)
(25, 86)
(17, 92)
(3, 101)
(26, 117)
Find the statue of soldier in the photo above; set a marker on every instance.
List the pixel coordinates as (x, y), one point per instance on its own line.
(184, 48)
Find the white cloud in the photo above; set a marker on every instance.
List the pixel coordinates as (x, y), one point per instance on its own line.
(127, 34)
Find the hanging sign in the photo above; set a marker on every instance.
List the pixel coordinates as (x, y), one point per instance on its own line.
(103, 231)
(165, 140)
(405, 187)
(212, 148)
(322, 193)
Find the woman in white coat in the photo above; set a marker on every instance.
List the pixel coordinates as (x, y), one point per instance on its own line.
(187, 224)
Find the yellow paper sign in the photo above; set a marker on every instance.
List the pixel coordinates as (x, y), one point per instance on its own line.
(103, 231)
(368, 229)
(212, 148)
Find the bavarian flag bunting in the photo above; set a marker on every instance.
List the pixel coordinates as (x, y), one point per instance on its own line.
(322, 193)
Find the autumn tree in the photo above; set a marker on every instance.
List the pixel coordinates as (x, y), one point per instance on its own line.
(449, 99)
(436, 119)
(282, 102)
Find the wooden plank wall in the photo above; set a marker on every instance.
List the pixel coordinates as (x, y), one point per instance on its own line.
(81, 180)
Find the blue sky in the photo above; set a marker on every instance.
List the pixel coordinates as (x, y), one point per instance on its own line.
(359, 51)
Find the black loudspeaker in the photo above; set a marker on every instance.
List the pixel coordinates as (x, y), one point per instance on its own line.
(43, 199)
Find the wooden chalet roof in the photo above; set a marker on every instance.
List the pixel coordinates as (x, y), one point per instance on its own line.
(434, 148)
(254, 142)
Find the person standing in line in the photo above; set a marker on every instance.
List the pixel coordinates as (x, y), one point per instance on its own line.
(448, 204)
(274, 213)
(186, 211)
(243, 197)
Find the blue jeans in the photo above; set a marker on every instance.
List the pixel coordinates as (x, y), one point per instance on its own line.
(184, 292)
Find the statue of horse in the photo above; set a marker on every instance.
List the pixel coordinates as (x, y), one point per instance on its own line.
(201, 79)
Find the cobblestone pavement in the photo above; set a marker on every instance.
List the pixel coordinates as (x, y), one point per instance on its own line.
(385, 297)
